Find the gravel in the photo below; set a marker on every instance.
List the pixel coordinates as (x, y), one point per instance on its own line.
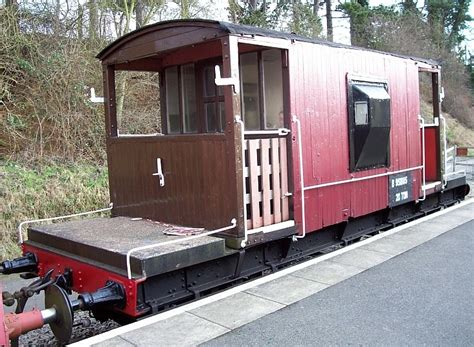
(45, 337)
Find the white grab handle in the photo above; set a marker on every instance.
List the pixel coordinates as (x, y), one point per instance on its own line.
(159, 172)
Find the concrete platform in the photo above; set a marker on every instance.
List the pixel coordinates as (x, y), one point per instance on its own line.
(423, 297)
(107, 241)
(235, 313)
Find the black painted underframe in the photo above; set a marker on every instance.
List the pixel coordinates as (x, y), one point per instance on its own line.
(165, 291)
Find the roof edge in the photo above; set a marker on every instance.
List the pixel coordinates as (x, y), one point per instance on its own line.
(238, 29)
(104, 53)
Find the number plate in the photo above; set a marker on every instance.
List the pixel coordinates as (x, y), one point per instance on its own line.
(400, 188)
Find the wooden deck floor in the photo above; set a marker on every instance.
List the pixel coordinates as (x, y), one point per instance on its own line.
(107, 241)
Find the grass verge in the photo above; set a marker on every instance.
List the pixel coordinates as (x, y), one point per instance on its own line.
(40, 191)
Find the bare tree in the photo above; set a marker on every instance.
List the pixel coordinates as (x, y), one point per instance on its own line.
(329, 20)
(139, 15)
(93, 20)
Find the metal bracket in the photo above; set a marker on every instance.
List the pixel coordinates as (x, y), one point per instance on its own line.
(159, 172)
(283, 131)
(227, 81)
(95, 99)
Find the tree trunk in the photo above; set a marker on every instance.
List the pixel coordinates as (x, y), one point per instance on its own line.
(329, 20)
(233, 10)
(12, 5)
(409, 6)
(296, 15)
(139, 14)
(93, 23)
(57, 18)
(459, 16)
(185, 11)
(353, 31)
(80, 22)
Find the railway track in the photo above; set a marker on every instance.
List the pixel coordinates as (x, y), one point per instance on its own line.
(86, 326)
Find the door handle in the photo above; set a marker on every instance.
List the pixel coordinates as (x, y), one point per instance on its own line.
(159, 172)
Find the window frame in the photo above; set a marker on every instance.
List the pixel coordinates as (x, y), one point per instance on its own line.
(261, 86)
(353, 80)
(164, 101)
(203, 100)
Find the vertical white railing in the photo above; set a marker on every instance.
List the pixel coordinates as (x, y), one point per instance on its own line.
(422, 127)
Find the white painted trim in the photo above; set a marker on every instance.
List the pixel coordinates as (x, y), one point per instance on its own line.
(243, 287)
(300, 160)
(94, 98)
(459, 172)
(233, 224)
(273, 227)
(28, 222)
(423, 156)
(264, 41)
(362, 178)
(445, 154)
(238, 120)
(431, 185)
(278, 132)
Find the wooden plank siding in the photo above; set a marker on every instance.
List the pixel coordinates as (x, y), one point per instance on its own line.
(318, 84)
(197, 180)
(203, 172)
(266, 173)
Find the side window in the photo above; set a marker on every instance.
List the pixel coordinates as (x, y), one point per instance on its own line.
(262, 89)
(172, 100)
(250, 90)
(273, 88)
(369, 124)
(188, 85)
(213, 101)
(180, 87)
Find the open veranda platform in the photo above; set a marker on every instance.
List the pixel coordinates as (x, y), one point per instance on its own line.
(235, 315)
(106, 242)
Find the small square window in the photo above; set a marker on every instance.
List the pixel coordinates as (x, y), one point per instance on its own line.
(361, 110)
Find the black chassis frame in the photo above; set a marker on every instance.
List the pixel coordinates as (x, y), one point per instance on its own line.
(168, 290)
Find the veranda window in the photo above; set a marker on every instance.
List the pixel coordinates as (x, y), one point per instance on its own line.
(213, 101)
(262, 89)
(194, 104)
(180, 88)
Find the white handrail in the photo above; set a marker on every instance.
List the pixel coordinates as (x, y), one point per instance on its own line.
(300, 154)
(238, 120)
(422, 126)
(444, 148)
(94, 98)
(226, 81)
(20, 231)
(184, 239)
(450, 156)
(357, 179)
(278, 132)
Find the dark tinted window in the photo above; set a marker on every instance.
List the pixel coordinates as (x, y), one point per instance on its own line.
(369, 125)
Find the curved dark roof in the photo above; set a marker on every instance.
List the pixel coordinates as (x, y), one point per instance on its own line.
(238, 29)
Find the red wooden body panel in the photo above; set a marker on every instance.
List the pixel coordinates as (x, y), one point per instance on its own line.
(431, 157)
(86, 277)
(318, 97)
